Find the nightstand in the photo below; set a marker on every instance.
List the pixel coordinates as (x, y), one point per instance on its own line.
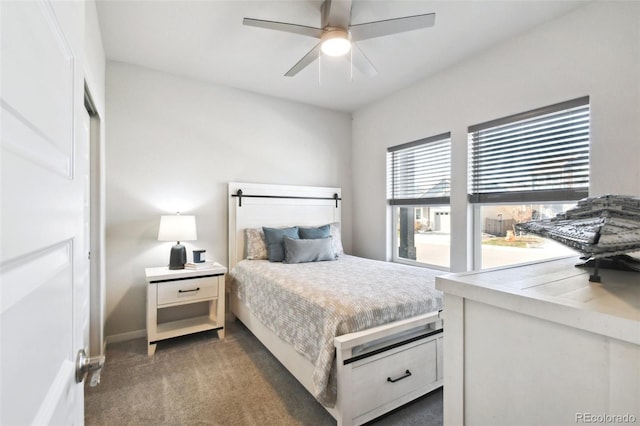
(169, 288)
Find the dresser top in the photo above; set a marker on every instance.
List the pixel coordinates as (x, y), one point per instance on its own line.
(558, 291)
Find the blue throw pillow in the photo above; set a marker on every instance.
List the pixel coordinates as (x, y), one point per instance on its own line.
(314, 233)
(275, 241)
(310, 250)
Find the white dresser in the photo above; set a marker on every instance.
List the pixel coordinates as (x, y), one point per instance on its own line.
(541, 345)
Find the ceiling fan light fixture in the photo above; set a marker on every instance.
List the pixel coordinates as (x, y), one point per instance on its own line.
(335, 42)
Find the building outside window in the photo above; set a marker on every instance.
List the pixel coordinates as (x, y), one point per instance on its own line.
(524, 167)
(418, 190)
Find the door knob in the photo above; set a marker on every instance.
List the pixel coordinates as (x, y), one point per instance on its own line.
(86, 365)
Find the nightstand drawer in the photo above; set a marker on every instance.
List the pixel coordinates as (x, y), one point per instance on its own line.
(185, 291)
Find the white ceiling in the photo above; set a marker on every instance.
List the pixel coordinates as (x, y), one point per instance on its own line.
(206, 40)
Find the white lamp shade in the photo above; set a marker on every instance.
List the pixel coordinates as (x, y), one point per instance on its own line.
(177, 228)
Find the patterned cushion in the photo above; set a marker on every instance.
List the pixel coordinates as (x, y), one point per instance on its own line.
(336, 238)
(256, 246)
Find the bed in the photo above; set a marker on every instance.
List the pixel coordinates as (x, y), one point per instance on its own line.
(364, 337)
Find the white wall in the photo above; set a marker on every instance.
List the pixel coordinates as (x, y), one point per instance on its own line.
(94, 59)
(173, 144)
(593, 51)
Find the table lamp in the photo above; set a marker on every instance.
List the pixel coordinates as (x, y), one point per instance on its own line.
(177, 228)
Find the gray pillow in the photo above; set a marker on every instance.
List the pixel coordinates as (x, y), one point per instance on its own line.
(275, 241)
(314, 233)
(311, 250)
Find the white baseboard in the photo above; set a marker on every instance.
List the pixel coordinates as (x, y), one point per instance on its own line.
(123, 337)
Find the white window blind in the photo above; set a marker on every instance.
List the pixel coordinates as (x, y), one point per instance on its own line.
(419, 172)
(540, 155)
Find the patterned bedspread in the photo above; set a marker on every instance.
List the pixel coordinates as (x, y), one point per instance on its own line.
(309, 304)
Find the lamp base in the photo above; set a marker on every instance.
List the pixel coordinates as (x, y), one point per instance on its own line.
(178, 257)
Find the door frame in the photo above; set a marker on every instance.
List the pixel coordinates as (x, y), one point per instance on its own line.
(97, 343)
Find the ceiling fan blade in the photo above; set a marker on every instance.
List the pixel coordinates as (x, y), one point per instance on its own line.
(391, 26)
(283, 26)
(362, 63)
(306, 60)
(336, 13)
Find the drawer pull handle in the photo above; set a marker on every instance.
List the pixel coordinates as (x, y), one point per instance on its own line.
(406, 374)
(188, 291)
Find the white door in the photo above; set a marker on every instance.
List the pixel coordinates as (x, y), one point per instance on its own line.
(43, 258)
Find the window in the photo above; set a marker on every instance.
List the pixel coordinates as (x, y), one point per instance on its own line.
(418, 189)
(523, 167)
(501, 245)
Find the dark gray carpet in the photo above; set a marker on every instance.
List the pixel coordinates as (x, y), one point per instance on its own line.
(201, 380)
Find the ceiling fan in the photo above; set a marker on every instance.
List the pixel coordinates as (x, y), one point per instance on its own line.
(337, 36)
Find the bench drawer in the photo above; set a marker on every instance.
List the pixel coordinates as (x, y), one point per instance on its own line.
(185, 291)
(386, 377)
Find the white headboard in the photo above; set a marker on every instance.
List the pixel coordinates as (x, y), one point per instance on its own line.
(277, 206)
